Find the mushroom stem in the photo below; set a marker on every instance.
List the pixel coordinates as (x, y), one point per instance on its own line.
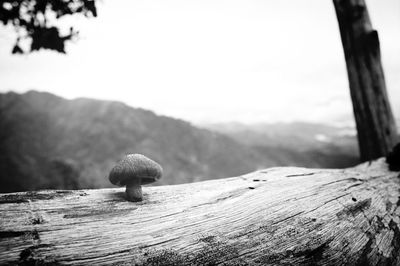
(134, 190)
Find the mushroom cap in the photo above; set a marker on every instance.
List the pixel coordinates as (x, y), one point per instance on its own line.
(135, 166)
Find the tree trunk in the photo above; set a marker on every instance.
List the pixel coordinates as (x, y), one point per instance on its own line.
(285, 216)
(375, 123)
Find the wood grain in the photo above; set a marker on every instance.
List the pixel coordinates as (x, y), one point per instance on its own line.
(277, 216)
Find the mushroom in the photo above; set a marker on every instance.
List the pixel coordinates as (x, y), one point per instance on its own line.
(133, 171)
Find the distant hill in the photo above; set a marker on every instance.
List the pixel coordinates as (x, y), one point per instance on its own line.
(50, 142)
(298, 143)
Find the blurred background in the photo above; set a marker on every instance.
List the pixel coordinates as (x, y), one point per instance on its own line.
(209, 89)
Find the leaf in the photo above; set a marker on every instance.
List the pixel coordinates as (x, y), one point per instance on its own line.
(47, 38)
(17, 49)
(91, 7)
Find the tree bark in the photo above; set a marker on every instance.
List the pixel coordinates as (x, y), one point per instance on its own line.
(374, 119)
(285, 216)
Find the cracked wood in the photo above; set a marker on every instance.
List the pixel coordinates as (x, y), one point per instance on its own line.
(277, 216)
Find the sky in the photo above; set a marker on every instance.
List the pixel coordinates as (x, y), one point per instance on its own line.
(209, 61)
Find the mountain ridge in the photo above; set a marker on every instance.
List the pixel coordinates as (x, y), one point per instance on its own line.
(93, 134)
(51, 142)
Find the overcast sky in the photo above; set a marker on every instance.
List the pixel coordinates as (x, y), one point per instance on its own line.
(210, 60)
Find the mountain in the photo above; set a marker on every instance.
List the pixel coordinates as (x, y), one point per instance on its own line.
(297, 135)
(50, 142)
(297, 143)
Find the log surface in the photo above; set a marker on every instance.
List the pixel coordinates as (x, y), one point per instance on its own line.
(277, 216)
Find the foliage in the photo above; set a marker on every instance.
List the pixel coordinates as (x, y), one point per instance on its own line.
(35, 21)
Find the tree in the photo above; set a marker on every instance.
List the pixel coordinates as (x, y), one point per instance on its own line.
(374, 119)
(35, 21)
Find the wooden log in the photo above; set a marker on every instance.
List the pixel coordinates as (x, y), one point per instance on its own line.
(376, 127)
(277, 216)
